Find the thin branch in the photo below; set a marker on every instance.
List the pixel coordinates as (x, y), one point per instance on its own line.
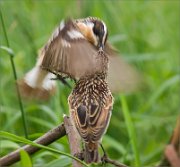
(74, 140)
(113, 162)
(46, 139)
(172, 151)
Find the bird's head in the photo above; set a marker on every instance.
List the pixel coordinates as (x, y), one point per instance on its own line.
(94, 30)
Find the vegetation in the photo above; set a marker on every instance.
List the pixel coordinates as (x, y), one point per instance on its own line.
(147, 35)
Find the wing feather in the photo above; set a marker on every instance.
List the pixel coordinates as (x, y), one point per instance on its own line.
(122, 77)
(92, 127)
(71, 55)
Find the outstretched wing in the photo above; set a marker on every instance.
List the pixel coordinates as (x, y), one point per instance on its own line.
(122, 77)
(68, 52)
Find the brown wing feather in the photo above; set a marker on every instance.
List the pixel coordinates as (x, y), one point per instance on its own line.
(122, 77)
(92, 126)
(74, 57)
(103, 118)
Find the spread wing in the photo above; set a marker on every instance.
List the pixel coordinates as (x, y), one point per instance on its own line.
(122, 77)
(69, 53)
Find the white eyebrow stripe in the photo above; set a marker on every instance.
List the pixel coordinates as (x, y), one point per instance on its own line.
(89, 24)
(74, 34)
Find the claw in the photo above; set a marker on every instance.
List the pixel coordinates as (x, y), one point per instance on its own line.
(80, 155)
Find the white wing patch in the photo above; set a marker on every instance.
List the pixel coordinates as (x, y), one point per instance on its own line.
(48, 83)
(58, 29)
(73, 34)
(38, 78)
(62, 24)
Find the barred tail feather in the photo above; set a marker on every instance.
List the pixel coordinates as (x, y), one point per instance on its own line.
(37, 84)
(91, 153)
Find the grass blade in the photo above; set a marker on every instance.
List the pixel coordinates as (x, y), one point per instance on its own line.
(11, 54)
(26, 141)
(25, 159)
(131, 130)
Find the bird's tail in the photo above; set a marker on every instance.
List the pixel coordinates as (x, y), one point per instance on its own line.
(91, 153)
(37, 84)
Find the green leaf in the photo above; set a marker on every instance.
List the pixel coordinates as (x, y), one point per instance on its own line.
(25, 159)
(13, 137)
(131, 130)
(168, 83)
(60, 162)
(8, 144)
(8, 50)
(114, 143)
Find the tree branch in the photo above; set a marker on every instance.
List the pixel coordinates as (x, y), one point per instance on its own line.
(74, 140)
(46, 139)
(51, 136)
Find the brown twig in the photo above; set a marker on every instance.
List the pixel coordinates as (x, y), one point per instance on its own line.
(74, 140)
(172, 156)
(46, 139)
(106, 159)
(172, 151)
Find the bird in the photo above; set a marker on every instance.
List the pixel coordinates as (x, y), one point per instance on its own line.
(78, 49)
(83, 58)
(91, 104)
(71, 39)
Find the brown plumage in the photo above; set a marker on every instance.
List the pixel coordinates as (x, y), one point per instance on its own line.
(77, 51)
(90, 105)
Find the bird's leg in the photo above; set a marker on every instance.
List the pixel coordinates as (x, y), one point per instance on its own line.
(80, 155)
(103, 158)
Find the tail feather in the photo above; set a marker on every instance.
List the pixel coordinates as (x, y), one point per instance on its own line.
(37, 84)
(91, 153)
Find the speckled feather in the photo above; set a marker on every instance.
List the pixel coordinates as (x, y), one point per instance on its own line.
(91, 104)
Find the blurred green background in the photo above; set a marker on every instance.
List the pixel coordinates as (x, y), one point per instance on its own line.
(147, 34)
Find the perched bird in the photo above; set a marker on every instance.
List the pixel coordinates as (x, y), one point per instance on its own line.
(78, 49)
(90, 105)
(78, 52)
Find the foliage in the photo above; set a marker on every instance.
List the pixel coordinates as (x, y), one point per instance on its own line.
(147, 35)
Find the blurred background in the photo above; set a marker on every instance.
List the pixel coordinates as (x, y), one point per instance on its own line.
(146, 33)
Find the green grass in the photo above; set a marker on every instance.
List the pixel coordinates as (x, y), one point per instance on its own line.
(11, 56)
(147, 35)
(131, 130)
